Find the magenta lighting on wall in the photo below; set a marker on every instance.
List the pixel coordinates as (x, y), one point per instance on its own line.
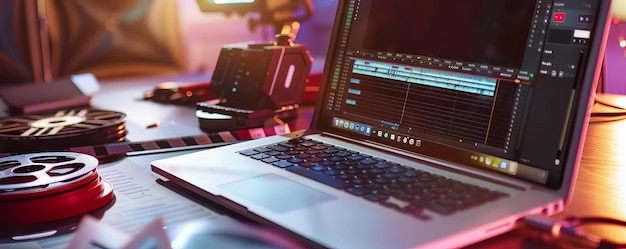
(619, 15)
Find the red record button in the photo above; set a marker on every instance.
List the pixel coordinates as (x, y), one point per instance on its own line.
(559, 17)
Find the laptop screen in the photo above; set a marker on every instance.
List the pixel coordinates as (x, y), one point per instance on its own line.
(489, 83)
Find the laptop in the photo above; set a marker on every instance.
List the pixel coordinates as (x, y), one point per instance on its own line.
(438, 124)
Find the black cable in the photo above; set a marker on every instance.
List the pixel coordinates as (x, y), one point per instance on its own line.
(568, 231)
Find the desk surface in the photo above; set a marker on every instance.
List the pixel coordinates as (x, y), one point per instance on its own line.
(599, 188)
(600, 185)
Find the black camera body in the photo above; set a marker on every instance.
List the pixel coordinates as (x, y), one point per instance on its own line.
(261, 76)
(256, 81)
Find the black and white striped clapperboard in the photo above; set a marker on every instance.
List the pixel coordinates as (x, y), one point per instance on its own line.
(178, 143)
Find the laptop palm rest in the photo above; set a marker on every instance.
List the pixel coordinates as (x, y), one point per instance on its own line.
(276, 193)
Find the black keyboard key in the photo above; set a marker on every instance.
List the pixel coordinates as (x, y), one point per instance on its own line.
(282, 164)
(355, 158)
(331, 150)
(319, 168)
(374, 186)
(263, 149)
(397, 185)
(376, 197)
(308, 143)
(426, 178)
(339, 167)
(351, 172)
(331, 172)
(320, 147)
(368, 161)
(382, 165)
(327, 163)
(421, 185)
(342, 154)
(438, 190)
(278, 148)
(396, 169)
(260, 156)
(270, 160)
(382, 180)
(324, 155)
(335, 158)
(307, 164)
(359, 191)
(448, 202)
(405, 179)
(303, 156)
(313, 152)
(283, 156)
(376, 171)
(292, 152)
(358, 181)
(428, 196)
(361, 167)
(389, 191)
(379, 159)
(345, 177)
(315, 159)
(366, 155)
(390, 175)
(457, 195)
(289, 144)
(273, 153)
(249, 152)
(352, 152)
(410, 173)
(295, 160)
(301, 148)
(328, 180)
(293, 141)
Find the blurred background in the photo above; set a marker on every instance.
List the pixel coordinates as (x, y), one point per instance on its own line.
(615, 60)
(46, 39)
(42, 40)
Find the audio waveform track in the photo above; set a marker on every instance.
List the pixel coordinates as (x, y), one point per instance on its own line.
(427, 77)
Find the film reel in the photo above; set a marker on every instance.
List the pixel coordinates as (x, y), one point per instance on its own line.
(61, 129)
(43, 187)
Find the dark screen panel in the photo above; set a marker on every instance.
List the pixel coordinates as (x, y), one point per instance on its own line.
(492, 32)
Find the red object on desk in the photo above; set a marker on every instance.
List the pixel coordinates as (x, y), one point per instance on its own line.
(311, 88)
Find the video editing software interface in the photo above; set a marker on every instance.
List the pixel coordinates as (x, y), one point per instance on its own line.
(489, 83)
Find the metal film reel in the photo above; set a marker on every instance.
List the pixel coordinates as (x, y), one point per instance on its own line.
(61, 129)
(62, 122)
(42, 172)
(50, 186)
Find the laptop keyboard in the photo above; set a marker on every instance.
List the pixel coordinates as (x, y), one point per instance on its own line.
(390, 184)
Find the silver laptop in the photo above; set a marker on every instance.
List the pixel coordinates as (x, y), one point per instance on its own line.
(438, 124)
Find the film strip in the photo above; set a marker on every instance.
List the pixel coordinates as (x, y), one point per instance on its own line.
(121, 149)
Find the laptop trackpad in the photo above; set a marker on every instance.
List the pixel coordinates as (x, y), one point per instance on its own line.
(276, 193)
